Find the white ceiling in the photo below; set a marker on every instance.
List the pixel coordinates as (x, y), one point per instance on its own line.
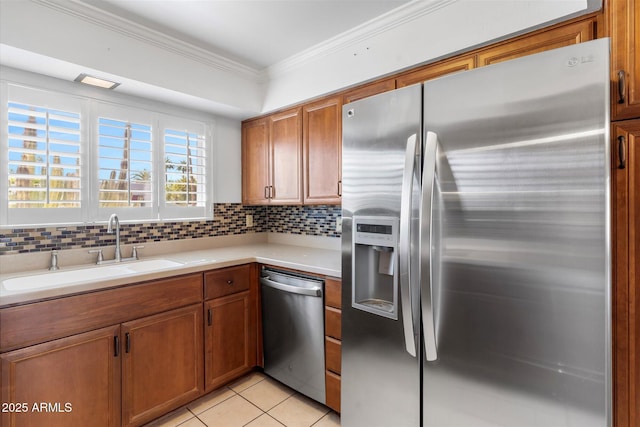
(255, 33)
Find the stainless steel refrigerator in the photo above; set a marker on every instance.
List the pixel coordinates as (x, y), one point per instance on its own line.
(476, 254)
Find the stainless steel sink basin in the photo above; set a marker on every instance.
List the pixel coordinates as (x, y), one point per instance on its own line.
(63, 278)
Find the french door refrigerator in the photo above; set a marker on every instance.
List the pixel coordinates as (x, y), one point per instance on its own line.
(476, 254)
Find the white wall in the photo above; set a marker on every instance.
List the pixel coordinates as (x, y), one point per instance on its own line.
(228, 161)
(453, 26)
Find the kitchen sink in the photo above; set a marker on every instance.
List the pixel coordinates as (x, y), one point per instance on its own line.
(63, 278)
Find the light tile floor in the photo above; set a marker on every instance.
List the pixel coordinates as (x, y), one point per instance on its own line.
(255, 400)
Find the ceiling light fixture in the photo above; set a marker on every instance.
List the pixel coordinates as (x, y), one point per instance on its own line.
(96, 81)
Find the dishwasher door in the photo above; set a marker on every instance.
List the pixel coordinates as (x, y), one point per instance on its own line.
(293, 331)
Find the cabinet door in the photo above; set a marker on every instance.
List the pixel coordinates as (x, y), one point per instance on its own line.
(230, 340)
(368, 90)
(162, 366)
(436, 70)
(322, 138)
(286, 158)
(566, 35)
(255, 162)
(625, 59)
(626, 272)
(72, 381)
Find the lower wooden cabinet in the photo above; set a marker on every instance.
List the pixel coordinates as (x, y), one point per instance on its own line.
(332, 342)
(230, 339)
(230, 324)
(72, 381)
(162, 363)
(152, 347)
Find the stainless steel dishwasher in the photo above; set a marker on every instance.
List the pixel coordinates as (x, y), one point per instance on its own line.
(293, 331)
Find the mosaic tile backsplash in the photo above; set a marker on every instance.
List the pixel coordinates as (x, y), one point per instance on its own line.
(229, 219)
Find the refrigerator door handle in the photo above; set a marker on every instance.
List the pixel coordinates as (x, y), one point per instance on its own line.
(404, 245)
(428, 180)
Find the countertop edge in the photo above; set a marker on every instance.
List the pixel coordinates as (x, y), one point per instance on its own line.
(324, 262)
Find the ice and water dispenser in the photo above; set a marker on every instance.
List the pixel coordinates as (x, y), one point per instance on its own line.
(375, 273)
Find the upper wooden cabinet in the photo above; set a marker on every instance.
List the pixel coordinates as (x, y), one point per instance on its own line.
(553, 38)
(255, 162)
(625, 59)
(286, 157)
(272, 159)
(322, 152)
(368, 90)
(436, 70)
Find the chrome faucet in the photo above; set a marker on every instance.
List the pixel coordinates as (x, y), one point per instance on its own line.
(113, 219)
(54, 261)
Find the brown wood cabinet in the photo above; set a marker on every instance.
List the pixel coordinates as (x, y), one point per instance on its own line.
(272, 159)
(162, 364)
(231, 325)
(255, 162)
(333, 344)
(322, 151)
(626, 271)
(553, 38)
(123, 372)
(77, 378)
(624, 24)
(436, 70)
(368, 90)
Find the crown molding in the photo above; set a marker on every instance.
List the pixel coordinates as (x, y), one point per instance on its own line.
(392, 19)
(131, 29)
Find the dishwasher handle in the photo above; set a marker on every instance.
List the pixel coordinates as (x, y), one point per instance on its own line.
(315, 291)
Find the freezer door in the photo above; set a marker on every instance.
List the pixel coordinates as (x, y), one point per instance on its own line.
(380, 365)
(521, 262)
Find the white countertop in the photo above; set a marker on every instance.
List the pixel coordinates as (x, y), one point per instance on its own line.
(325, 262)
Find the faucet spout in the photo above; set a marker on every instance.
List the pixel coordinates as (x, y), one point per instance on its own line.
(114, 221)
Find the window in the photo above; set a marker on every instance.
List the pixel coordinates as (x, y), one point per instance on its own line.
(124, 164)
(136, 163)
(184, 168)
(43, 157)
(186, 181)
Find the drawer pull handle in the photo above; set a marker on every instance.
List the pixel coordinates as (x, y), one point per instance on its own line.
(116, 346)
(621, 86)
(210, 317)
(127, 342)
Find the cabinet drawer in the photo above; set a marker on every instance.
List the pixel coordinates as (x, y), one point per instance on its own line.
(332, 383)
(332, 322)
(226, 281)
(333, 293)
(333, 351)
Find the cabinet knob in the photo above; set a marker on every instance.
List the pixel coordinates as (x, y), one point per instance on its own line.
(230, 282)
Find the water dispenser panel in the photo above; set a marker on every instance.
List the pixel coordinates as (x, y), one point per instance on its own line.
(375, 277)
